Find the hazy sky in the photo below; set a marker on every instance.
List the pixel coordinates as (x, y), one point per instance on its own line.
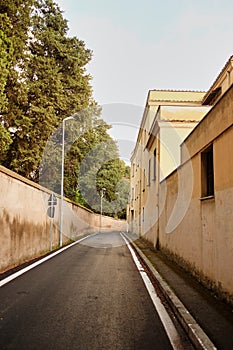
(140, 45)
(149, 44)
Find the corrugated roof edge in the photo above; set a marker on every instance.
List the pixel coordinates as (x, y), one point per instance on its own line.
(181, 99)
(171, 90)
(222, 70)
(175, 100)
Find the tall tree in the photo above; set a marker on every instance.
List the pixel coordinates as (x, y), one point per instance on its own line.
(83, 135)
(102, 169)
(13, 34)
(5, 59)
(51, 78)
(44, 80)
(14, 23)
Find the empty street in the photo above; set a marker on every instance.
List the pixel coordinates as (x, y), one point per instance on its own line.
(90, 296)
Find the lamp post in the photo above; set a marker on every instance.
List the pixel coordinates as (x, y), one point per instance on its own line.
(101, 205)
(62, 175)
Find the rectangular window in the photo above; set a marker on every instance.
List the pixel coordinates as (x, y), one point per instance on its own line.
(155, 165)
(132, 194)
(207, 172)
(132, 215)
(144, 180)
(149, 170)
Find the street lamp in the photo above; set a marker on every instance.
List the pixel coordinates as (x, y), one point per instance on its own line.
(101, 205)
(62, 175)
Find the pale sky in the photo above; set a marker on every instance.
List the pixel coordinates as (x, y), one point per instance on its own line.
(149, 44)
(140, 45)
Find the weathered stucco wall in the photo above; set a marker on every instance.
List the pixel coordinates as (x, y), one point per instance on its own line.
(202, 241)
(25, 225)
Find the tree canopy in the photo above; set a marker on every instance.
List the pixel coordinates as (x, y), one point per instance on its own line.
(43, 81)
(47, 80)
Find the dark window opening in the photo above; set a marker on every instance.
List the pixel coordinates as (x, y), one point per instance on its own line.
(144, 180)
(155, 165)
(207, 177)
(149, 166)
(213, 96)
(132, 194)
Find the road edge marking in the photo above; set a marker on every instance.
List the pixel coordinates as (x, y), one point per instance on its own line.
(196, 334)
(42, 260)
(171, 331)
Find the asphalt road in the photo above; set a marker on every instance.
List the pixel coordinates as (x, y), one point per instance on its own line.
(90, 296)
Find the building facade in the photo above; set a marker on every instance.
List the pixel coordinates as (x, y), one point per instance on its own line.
(181, 179)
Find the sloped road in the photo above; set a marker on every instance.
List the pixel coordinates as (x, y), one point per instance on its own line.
(90, 296)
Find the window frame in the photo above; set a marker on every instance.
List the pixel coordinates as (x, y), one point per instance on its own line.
(207, 173)
(149, 172)
(155, 164)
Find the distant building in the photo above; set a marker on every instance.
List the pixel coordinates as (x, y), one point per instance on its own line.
(181, 179)
(168, 118)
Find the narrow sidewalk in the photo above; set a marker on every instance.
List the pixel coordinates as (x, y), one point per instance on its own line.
(214, 316)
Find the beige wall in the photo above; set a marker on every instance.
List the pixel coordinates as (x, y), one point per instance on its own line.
(175, 124)
(163, 128)
(195, 231)
(25, 225)
(202, 242)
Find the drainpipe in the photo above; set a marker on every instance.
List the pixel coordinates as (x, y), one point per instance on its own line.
(157, 244)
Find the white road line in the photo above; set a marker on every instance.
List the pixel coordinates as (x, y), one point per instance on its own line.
(170, 329)
(22, 271)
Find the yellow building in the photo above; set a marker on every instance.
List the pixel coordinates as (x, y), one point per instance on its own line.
(181, 179)
(168, 118)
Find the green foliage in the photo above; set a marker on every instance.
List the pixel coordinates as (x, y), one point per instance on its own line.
(92, 148)
(5, 59)
(79, 138)
(102, 171)
(47, 80)
(43, 80)
(112, 177)
(108, 176)
(5, 141)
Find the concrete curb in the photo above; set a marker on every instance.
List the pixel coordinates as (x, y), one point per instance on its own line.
(195, 333)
